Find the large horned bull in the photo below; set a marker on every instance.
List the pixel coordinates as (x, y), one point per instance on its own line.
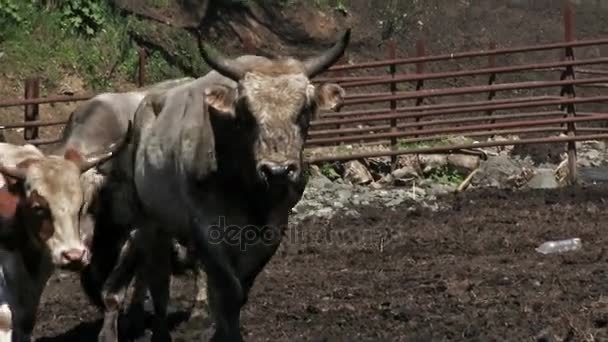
(217, 158)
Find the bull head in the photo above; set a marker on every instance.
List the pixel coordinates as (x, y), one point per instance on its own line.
(52, 196)
(273, 103)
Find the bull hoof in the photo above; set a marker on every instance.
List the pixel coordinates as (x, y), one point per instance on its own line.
(161, 335)
(136, 321)
(107, 336)
(220, 338)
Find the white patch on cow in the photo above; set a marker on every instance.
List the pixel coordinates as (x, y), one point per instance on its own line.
(6, 316)
(2, 181)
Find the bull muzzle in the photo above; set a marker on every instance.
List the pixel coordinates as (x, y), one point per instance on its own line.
(75, 258)
(271, 172)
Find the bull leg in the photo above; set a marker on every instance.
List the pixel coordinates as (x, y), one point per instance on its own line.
(158, 276)
(226, 312)
(200, 287)
(137, 324)
(224, 287)
(115, 288)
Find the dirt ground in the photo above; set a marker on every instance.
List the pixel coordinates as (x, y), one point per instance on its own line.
(466, 273)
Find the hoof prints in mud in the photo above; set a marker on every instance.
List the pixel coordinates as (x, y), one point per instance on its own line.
(468, 272)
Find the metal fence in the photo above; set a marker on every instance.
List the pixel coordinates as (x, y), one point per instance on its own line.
(548, 109)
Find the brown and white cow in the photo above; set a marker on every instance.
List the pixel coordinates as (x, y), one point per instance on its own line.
(217, 164)
(40, 202)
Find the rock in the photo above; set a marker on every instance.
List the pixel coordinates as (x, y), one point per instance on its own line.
(324, 212)
(315, 171)
(319, 182)
(500, 172)
(357, 173)
(405, 172)
(344, 195)
(386, 180)
(463, 163)
(437, 189)
(376, 185)
(543, 179)
(430, 162)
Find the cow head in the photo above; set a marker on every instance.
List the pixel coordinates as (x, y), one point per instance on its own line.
(50, 195)
(272, 106)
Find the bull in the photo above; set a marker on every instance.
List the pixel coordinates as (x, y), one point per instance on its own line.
(106, 221)
(40, 201)
(216, 161)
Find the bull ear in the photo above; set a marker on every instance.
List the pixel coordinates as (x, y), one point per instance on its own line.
(44, 228)
(221, 98)
(330, 96)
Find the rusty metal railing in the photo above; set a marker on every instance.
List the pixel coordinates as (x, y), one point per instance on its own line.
(380, 117)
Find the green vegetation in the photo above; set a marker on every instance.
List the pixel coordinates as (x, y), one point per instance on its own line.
(421, 144)
(336, 5)
(328, 171)
(446, 176)
(84, 37)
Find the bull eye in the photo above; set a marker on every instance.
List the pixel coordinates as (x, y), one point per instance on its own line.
(38, 210)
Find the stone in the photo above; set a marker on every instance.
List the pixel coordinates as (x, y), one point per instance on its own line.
(405, 172)
(543, 179)
(436, 189)
(500, 172)
(325, 212)
(463, 163)
(430, 162)
(319, 182)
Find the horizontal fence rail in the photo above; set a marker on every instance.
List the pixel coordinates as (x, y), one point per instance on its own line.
(378, 113)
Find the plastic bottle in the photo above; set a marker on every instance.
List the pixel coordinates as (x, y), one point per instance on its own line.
(560, 246)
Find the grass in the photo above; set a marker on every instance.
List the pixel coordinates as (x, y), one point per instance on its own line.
(446, 176)
(41, 46)
(421, 144)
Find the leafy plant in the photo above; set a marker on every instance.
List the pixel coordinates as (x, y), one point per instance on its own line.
(13, 17)
(328, 171)
(82, 16)
(446, 176)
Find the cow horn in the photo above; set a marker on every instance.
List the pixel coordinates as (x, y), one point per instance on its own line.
(13, 171)
(315, 65)
(113, 149)
(224, 66)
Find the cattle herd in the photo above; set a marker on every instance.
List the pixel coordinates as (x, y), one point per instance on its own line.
(140, 175)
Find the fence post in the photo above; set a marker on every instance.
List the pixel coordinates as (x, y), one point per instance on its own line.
(420, 52)
(392, 69)
(492, 79)
(32, 91)
(141, 77)
(341, 73)
(568, 90)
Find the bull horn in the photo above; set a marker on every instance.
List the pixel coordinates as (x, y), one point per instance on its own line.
(113, 149)
(224, 66)
(13, 171)
(315, 65)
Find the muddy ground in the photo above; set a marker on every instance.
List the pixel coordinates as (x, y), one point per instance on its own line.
(466, 273)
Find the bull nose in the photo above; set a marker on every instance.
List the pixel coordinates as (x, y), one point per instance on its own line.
(271, 171)
(75, 256)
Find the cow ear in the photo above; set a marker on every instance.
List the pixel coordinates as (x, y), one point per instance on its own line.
(330, 96)
(221, 98)
(16, 174)
(40, 206)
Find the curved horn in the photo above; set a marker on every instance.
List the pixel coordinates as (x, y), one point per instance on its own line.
(315, 65)
(113, 149)
(222, 65)
(13, 171)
